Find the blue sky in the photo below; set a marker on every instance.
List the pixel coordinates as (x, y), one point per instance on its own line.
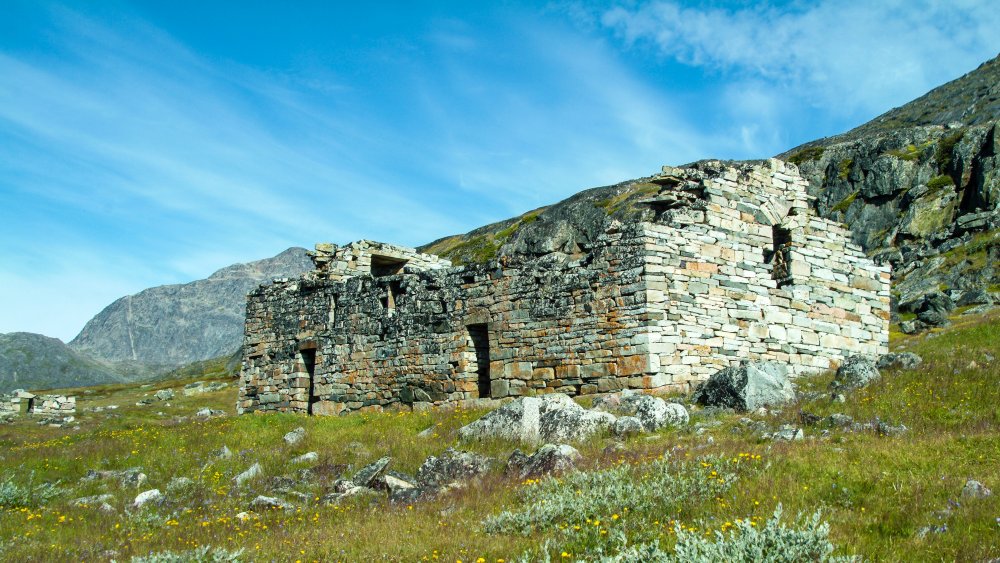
(145, 143)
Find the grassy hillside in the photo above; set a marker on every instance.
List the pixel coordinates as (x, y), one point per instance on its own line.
(876, 491)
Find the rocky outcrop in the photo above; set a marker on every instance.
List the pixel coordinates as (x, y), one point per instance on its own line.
(171, 325)
(919, 186)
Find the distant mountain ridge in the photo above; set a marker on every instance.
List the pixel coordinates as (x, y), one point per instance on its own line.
(171, 325)
(34, 361)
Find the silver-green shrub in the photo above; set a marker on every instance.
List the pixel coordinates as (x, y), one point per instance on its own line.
(660, 486)
(203, 554)
(807, 540)
(15, 495)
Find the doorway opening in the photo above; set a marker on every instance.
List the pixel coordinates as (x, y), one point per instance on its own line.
(479, 336)
(308, 358)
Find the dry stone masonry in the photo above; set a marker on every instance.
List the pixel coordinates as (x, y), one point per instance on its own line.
(22, 402)
(732, 266)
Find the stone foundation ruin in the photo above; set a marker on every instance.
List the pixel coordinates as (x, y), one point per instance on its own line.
(20, 402)
(732, 265)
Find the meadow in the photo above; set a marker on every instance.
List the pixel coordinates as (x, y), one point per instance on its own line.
(884, 497)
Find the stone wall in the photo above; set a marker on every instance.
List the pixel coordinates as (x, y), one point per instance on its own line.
(53, 405)
(733, 266)
(22, 402)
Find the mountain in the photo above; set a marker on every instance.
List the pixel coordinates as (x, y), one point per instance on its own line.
(919, 186)
(34, 361)
(171, 325)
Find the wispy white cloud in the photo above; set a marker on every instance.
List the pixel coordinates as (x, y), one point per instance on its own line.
(851, 59)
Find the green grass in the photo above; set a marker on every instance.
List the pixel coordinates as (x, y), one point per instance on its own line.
(845, 204)
(844, 169)
(945, 148)
(806, 155)
(938, 182)
(875, 492)
(909, 153)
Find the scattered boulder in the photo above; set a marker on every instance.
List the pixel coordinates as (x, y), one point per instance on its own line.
(653, 412)
(747, 387)
(132, 477)
(975, 489)
(975, 297)
(309, 457)
(627, 427)
(788, 433)
(223, 453)
(262, 502)
(368, 474)
(295, 436)
(96, 500)
(209, 413)
(934, 308)
(573, 423)
(899, 360)
(839, 420)
(146, 497)
(531, 419)
(857, 371)
(450, 466)
(549, 459)
(199, 387)
(252, 472)
(164, 394)
(912, 327)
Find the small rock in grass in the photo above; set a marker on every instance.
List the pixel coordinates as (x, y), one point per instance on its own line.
(899, 360)
(367, 475)
(254, 471)
(788, 433)
(975, 489)
(164, 394)
(310, 457)
(270, 503)
(295, 436)
(96, 500)
(223, 453)
(627, 427)
(146, 497)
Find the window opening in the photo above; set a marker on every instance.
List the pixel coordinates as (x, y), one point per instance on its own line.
(387, 266)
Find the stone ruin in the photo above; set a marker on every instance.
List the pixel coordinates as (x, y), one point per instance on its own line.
(733, 265)
(20, 402)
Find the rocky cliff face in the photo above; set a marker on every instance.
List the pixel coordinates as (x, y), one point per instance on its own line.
(920, 187)
(170, 325)
(33, 361)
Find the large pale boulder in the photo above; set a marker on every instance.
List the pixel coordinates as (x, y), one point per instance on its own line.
(551, 417)
(747, 387)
